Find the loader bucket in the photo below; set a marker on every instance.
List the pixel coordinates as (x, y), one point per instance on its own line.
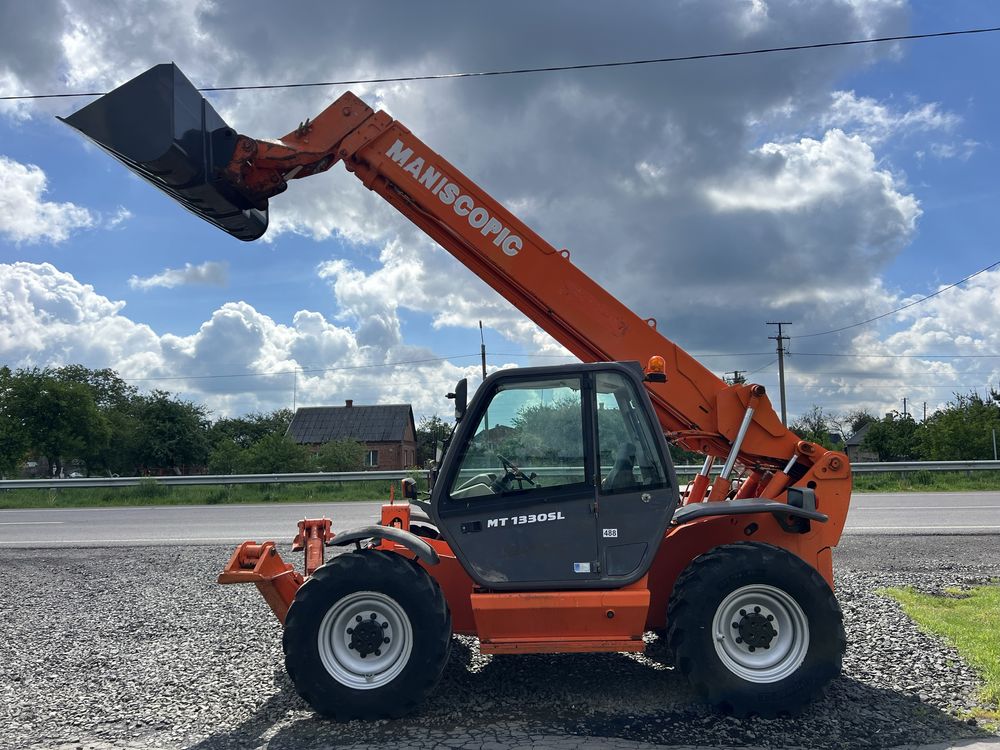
(161, 128)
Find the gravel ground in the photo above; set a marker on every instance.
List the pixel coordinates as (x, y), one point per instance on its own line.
(127, 647)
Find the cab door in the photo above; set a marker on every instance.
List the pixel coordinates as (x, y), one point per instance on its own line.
(637, 493)
(517, 489)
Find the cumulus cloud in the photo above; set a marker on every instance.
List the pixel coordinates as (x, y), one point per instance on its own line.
(805, 187)
(710, 196)
(48, 317)
(241, 359)
(118, 218)
(420, 277)
(238, 360)
(877, 121)
(211, 273)
(25, 215)
(926, 353)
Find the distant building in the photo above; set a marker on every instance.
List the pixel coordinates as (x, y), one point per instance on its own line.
(856, 451)
(388, 432)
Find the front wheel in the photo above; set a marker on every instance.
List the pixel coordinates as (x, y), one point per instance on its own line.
(755, 629)
(367, 636)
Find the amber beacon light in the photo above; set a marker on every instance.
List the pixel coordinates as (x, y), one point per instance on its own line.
(656, 370)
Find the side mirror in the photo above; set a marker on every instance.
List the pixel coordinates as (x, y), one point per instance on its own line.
(461, 396)
(438, 452)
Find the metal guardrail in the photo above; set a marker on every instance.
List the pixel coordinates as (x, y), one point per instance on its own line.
(203, 479)
(363, 476)
(890, 466)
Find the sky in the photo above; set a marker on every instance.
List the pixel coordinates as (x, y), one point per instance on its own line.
(820, 187)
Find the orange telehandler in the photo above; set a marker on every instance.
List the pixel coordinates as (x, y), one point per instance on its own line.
(555, 522)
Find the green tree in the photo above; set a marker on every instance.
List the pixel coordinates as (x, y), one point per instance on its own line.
(106, 386)
(341, 455)
(894, 438)
(857, 419)
(171, 433)
(116, 400)
(276, 454)
(429, 431)
(963, 430)
(226, 458)
(59, 419)
(13, 437)
(246, 430)
(120, 455)
(814, 426)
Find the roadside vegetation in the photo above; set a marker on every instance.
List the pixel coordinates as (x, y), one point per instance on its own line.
(151, 493)
(71, 420)
(928, 481)
(969, 621)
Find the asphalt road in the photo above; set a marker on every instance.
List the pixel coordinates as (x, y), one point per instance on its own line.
(903, 513)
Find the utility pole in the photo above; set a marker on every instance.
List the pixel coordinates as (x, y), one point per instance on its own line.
(781, 339)
(925, 411)
(904, 406)
(482, 354)
(482, 348)
(737, 377)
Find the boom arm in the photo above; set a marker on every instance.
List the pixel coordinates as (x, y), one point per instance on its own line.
(159, 126)
(694, 406)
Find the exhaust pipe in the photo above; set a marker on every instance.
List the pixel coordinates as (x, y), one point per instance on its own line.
(160, 126)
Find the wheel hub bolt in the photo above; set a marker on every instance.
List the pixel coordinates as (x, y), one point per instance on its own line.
(755, 629)
(367, 636)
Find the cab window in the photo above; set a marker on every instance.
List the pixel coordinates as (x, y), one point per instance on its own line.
(627, 450)
(530, 436)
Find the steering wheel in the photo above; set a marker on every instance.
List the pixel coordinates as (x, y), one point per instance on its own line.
(512, 472)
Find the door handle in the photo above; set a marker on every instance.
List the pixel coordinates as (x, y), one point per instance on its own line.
(471, 526)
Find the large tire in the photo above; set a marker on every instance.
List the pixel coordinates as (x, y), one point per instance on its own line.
(367, 636)
(755, 629)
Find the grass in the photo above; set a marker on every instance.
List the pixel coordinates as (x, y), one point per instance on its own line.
(968, 620)
(151, 493)
(927, 481)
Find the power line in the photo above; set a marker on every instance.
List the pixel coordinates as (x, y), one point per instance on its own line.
(897, 356)
(555, 68)
(303, 370)
(769, 364)
(903, 307)
(571, 356)
(791, 354)
(896, 386)
(308, 370)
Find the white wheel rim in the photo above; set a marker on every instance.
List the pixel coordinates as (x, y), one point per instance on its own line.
(760, 633)
(365, 640)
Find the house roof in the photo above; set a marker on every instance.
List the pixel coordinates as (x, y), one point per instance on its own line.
(366, 424)
(859, 437)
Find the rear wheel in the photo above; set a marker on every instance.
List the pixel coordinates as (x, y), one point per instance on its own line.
(367, 636)
(755, 629)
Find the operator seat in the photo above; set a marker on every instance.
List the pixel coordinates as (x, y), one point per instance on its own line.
(621, 475)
